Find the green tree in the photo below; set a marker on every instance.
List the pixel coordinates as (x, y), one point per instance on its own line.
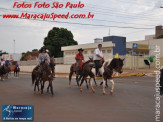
(1, 53)
(56, 38)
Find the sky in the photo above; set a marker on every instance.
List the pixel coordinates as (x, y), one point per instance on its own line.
(132, 19)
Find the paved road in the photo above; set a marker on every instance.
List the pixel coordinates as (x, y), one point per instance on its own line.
(132, 101)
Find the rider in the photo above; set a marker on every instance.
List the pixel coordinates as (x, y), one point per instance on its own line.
(43, 56)
(79, 57)
(98, 55)
(7, 63)
(2, 62)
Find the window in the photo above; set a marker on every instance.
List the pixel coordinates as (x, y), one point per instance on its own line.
(103, 51)
(108, 51)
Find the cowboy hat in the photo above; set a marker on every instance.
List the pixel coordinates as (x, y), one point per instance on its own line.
(80, 49)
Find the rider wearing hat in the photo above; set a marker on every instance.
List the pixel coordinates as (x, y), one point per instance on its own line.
(43, 56)
(79, 57)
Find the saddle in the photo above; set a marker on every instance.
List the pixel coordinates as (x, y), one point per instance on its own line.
(80, 65)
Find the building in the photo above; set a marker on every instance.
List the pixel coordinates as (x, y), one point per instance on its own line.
(12, 57)
(116, 44)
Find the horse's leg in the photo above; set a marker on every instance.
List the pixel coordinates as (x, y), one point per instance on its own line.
(51, 86)
(35, 87)
(93, 90)
(95, 81)
(48, 88)
(106, 83)
(39, 91)
(70, 76)
(86, 83)
(112, 88)
(81, 84)
(42, 87)
(103, 88)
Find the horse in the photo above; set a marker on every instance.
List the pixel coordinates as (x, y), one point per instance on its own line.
(36, 78)
(16, 71)
(87, 71)
(116, 64)
(4, 71)
(73, 70)
(46, 75)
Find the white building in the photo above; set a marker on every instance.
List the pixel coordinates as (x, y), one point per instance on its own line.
(12, 57)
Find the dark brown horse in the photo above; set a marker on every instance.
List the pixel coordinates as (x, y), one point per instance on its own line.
(46, 75)
(16, 71)
(73, 70)
(87, 71)
(116, 64)
(4, 71)
(36, 75)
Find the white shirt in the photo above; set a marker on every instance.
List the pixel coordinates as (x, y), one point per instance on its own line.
(2, 63)
(97, 51)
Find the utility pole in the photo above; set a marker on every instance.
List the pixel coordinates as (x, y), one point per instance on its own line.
(14, 46)
(109, 32)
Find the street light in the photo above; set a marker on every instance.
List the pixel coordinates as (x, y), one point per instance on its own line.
(14, 46)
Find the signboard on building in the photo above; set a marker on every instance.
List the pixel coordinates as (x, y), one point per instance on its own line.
(140, 46)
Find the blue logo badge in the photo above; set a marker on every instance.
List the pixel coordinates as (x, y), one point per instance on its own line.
(17, 112)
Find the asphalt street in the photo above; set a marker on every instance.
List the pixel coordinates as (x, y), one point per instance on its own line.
(132, 101)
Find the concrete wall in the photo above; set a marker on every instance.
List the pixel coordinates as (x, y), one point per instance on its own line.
(128, 64)
(33, 62)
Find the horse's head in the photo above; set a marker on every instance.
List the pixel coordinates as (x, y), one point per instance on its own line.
(90, 62)
(117, 64)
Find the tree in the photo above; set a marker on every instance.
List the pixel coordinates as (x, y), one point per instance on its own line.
(1, 53)
(56, 38)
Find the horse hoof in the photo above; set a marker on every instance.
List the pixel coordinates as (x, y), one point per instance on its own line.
(104, 93)
(81, 90)
(111, 92)
(34, 92)
(93, 91)
(69, 86)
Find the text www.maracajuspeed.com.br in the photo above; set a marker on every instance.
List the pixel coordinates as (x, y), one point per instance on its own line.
(45, 16)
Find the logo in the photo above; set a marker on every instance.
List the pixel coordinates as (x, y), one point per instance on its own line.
(135, 45)
(17, 112)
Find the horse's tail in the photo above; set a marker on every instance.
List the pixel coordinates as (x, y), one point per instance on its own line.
(71, 71)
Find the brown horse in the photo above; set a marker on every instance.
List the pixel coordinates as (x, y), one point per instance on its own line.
(16, 71)
(73, 70)
(36, 75)
(87, 71)
(116, 64)
(4, 71)
(46, 75)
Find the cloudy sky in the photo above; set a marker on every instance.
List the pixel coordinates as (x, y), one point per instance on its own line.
(130, 18)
